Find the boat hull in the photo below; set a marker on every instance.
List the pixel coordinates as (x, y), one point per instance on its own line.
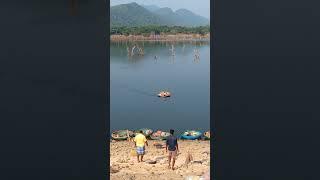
(146, 132)
(122, 135)
(157, 138)
(191, 137)
(206, 135)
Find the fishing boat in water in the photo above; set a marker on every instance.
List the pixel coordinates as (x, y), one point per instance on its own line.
(164, 94)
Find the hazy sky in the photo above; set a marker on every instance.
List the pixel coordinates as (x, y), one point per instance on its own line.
(200, 7)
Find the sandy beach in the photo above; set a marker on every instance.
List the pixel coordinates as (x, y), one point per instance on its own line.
(124, 166)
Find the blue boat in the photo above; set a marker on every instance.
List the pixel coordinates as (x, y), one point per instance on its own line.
(191, 135)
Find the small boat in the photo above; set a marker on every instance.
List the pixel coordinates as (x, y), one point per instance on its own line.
(191, 135)
(164, 94)
(159, 135)
(207, 135)
(145, 131)
(121, 135)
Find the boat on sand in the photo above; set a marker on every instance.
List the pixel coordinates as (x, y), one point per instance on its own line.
(207, 135)
(121, 135)
(145, 131)
(159, 135)
(191, 135)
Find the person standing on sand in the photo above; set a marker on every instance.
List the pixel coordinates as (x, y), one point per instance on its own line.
(172, 146)
(140, 142)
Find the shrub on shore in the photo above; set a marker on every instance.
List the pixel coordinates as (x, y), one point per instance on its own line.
(157, 30)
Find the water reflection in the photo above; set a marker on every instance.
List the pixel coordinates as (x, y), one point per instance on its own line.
(136, 81)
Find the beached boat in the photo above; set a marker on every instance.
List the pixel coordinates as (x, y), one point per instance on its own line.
(207, 135)
(159, 135)
(191, 135)
(121, 135)
(164, 94)
(145, 131)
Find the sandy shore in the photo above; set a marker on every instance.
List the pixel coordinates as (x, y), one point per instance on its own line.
(123, 166)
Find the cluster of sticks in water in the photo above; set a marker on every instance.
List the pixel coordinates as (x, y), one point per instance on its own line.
(172, 50)
(131, 50)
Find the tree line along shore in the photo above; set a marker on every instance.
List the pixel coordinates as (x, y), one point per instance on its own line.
(160, 33)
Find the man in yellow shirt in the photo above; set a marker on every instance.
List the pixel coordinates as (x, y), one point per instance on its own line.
(140, 142)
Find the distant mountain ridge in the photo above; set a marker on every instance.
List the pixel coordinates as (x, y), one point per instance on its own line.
(133, 14)
(151, 7)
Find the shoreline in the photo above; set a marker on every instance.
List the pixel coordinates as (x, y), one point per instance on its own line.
(125, 166)
(167, 40)
(162, 38)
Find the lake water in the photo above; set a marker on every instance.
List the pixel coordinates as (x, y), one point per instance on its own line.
(136, 81)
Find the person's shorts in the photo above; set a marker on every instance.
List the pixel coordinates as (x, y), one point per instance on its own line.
(140, 150)
(173, 154)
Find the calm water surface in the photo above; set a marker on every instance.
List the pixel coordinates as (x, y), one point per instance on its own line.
(135, 82)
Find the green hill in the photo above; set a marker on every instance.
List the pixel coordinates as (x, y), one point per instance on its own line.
(133, 14)
(151, 8)
(188, 18)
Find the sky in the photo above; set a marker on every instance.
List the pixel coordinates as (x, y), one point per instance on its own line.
(200, 7)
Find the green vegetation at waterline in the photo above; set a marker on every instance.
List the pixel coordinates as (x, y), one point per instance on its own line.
(156, 30)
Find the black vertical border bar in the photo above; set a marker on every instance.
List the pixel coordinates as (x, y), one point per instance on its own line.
(54, 90)
(214, 90)
(107, 38)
